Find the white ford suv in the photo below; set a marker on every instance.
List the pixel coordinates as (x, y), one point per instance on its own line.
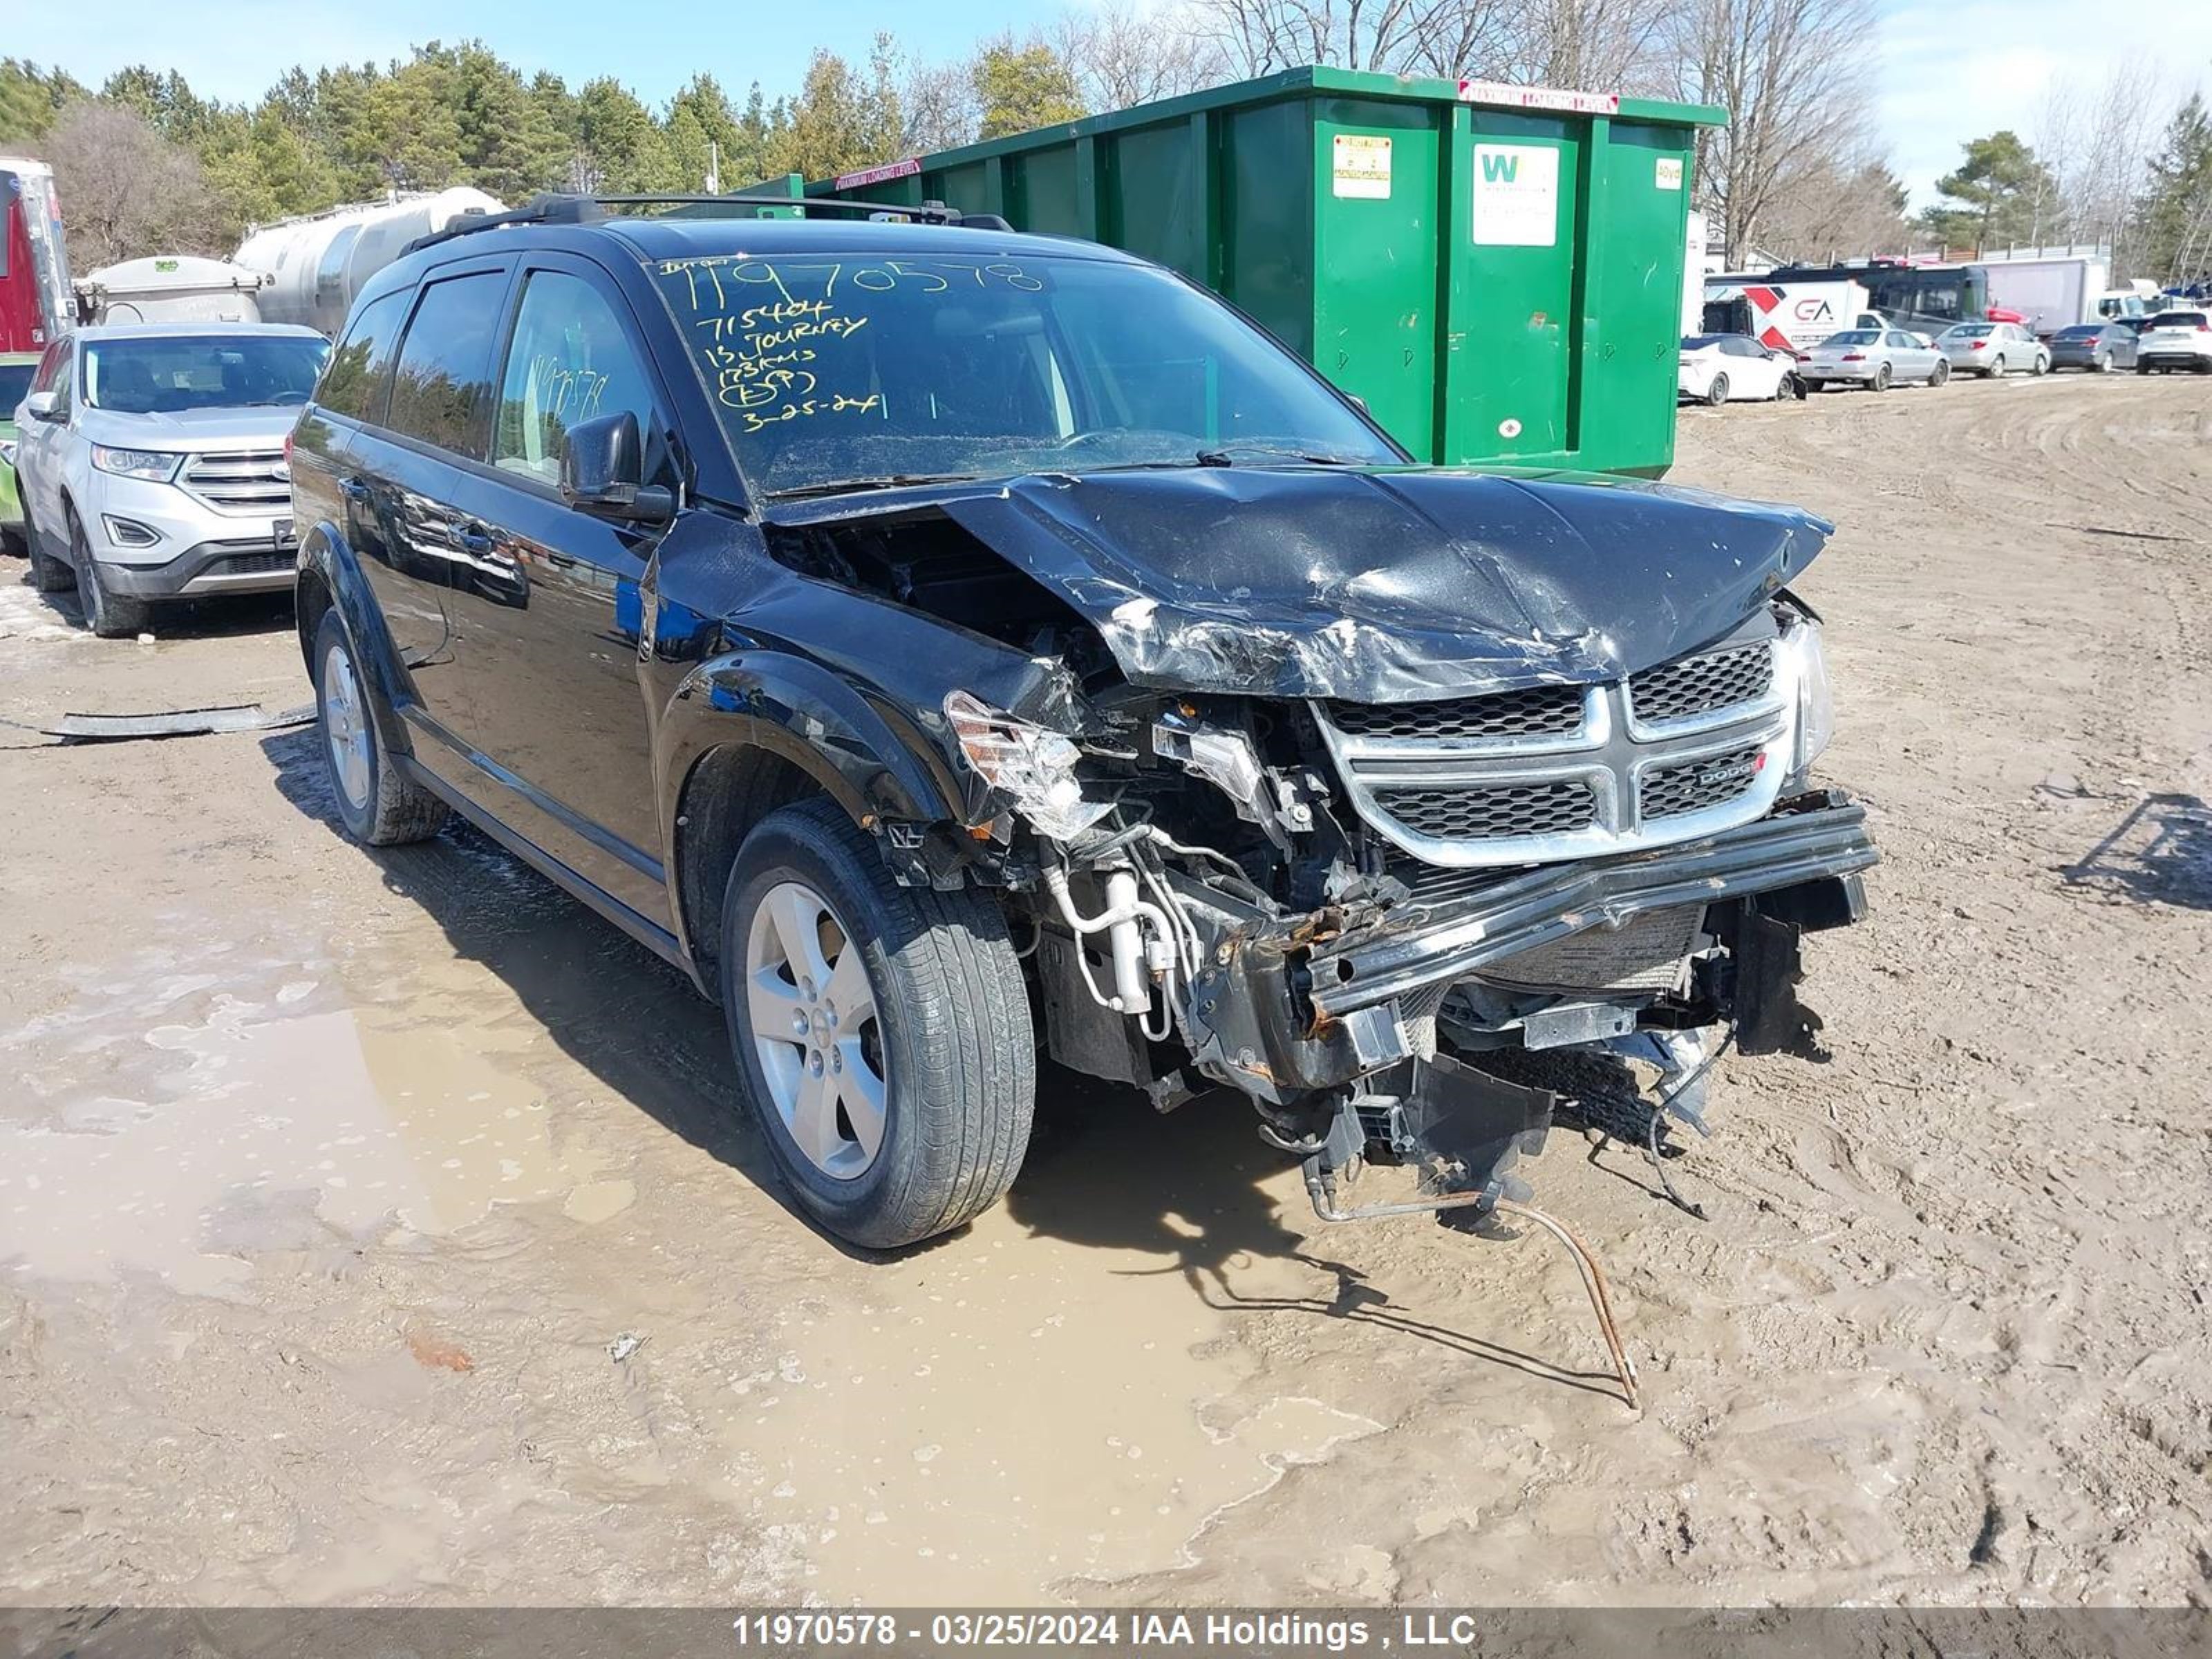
(151, 464)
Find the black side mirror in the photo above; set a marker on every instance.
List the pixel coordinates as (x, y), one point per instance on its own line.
(602, 470)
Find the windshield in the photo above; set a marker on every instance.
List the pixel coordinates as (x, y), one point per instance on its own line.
(1967, 332)
(2178, 319)
(2081, 332)
(830, 371)
(1853, 337)
(1700, 341)
(15, 385)
(167, 375)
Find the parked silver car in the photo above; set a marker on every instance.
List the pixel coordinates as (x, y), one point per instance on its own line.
(1876, 357)
(152, 464)
(1993, 348)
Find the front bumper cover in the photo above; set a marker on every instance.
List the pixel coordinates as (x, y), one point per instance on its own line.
(248, 565)
(1286, 1010)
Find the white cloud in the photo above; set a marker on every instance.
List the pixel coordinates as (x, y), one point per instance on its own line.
(1956, 70)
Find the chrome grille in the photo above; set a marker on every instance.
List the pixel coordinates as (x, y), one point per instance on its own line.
(245, 481)
(1535, 711)
(1668, 792)
(1497, 812)
(1691, 686)
(1687, 748)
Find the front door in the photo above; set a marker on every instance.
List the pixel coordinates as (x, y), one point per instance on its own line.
(551, 664)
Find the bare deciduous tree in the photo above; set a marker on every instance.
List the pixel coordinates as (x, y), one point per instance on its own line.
(1259, 37)
(2096, 142)
(1788, 72)
(1125, 55)
(940, 99)
(129, 191)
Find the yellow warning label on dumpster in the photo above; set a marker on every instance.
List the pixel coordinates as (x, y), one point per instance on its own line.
(1363, 165)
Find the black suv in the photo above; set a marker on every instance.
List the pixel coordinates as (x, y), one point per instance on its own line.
(952, 646)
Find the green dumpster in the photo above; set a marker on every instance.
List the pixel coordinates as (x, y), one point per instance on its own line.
(1496, 271)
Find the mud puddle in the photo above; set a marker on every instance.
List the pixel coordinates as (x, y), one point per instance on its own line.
(222, 1125)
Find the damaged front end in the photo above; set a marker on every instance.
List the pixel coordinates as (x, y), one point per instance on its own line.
(1345, 788)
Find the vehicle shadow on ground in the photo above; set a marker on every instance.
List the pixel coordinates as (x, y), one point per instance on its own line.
(223, 618)
(1103, 1171)
(1107, 1171)
(2161, 852)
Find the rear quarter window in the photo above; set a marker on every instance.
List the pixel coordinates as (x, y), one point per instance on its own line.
(353, 383)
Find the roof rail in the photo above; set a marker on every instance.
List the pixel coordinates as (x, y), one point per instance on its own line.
(555, 209)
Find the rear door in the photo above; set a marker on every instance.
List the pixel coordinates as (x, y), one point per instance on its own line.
(555, 702)
(414, 480)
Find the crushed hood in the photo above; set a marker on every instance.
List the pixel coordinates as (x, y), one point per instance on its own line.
(1385, 587)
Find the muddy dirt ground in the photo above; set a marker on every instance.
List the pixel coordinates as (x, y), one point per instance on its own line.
(376, 1228)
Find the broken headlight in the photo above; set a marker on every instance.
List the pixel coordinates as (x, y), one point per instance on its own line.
(1808, 668)
(1033, 766)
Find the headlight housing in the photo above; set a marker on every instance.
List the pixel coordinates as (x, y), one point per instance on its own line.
(1034, 767)
(1806, 664)
(154, 466)
(7, 451)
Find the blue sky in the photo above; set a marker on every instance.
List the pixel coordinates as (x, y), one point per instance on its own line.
(1950, 69)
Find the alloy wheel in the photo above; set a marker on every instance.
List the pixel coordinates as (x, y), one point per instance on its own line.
(345, 727)
(815, 1030)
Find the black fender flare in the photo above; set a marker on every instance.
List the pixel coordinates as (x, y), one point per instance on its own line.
(325, 557)
(821, 722)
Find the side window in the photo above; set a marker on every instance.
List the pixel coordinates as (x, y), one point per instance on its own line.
(441, 387)
(49, 366)
(352, 384)
(571, 360)
(65, 380)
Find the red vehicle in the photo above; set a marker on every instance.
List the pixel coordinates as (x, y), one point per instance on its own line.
(35, 306)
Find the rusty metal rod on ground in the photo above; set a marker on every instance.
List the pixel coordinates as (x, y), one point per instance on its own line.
(1586, 1264)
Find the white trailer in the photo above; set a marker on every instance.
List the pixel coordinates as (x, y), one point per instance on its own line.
(316, 263)
(2051, 290)
(1787, 316)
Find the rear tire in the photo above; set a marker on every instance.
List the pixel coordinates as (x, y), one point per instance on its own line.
(379, 804)
(953, 1065)
(1717, 393)
(1996, 367)
(1881, 378)
(109, 615)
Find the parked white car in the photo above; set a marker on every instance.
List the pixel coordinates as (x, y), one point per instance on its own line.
(1990, 349)
(152, 466)
(2176, 339)
(1876, 357)
(1719, 368)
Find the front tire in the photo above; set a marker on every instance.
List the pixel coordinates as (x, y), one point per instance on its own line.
(379, 804)
(2041, 366)
(109, 615)
(48, 574)
(1940, 373)
(903, 1121)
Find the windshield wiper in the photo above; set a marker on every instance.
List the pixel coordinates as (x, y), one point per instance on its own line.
(888, 480)
(1225, 456)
